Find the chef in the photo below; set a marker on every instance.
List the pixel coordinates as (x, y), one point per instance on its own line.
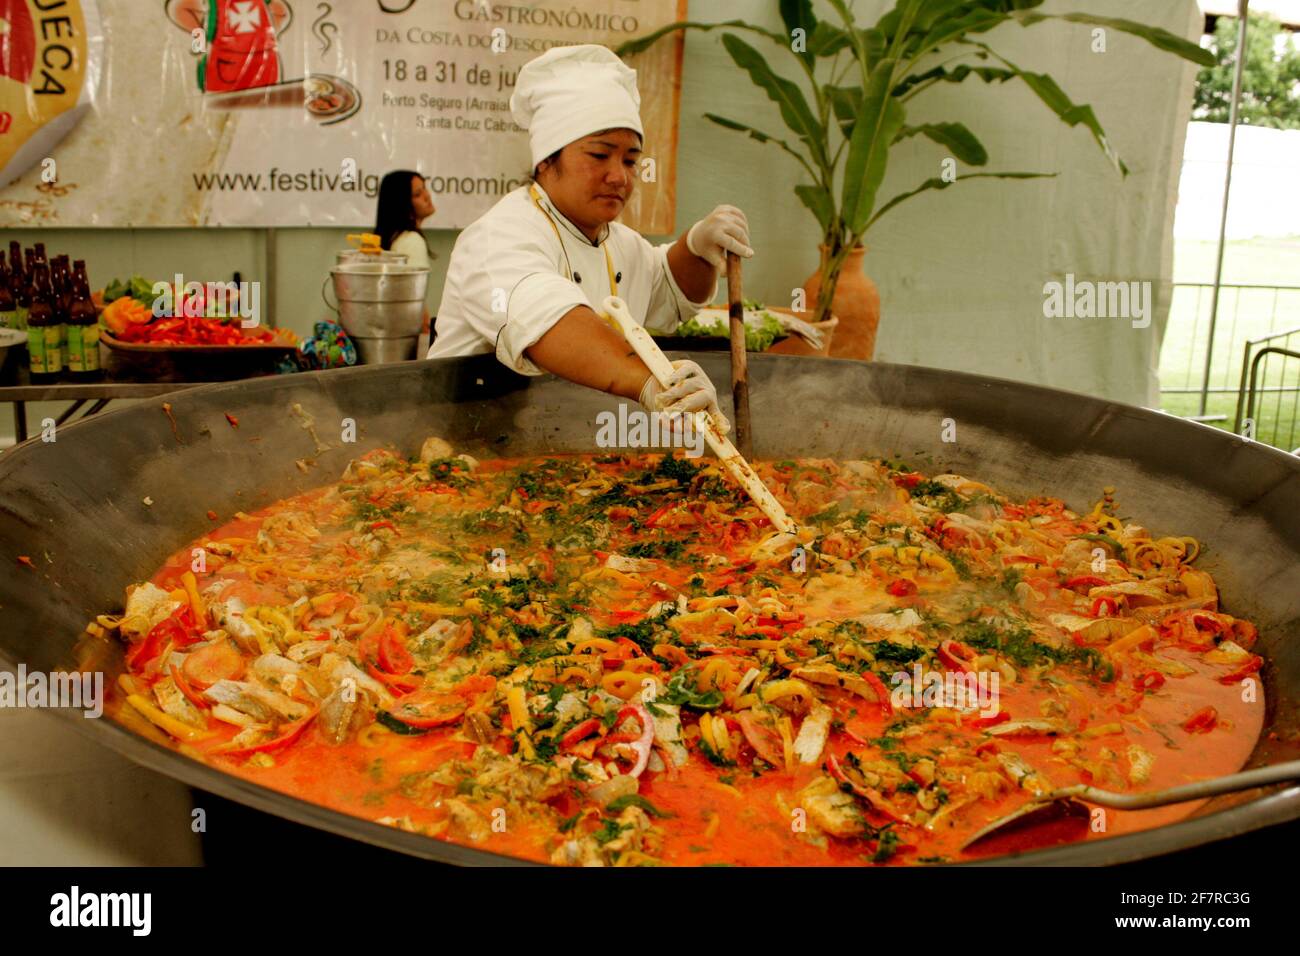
(523, 278)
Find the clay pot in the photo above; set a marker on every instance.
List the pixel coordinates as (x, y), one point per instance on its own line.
(793, 345)
(856, 305)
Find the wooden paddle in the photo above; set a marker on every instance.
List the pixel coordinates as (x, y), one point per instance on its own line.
(734, 462)
(739, 357)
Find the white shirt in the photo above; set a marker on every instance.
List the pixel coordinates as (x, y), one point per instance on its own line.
(412, 245)
(508, 281)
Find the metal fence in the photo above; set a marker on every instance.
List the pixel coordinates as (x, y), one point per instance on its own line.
(1209, 380)
(1269, 397)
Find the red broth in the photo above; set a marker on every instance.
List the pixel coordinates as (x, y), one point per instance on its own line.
(520, 627)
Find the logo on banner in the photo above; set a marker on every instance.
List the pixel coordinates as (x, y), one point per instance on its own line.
(49, 60)
(239, 66)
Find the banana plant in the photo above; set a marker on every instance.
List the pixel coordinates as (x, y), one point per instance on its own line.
(856, 86)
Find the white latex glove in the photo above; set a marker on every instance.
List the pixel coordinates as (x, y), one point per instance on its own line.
(721, 231)
(689, 390)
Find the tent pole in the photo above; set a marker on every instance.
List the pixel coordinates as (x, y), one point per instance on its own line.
(1242, 17)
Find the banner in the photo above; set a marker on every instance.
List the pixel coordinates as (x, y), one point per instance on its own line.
(123, 113)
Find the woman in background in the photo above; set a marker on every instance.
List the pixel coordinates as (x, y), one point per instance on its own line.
(404, 204)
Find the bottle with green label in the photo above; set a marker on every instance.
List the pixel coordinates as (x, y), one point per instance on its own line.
(83, 327)
(44, 330)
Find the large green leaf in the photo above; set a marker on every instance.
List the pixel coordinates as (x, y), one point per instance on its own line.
(846, 102)
(945, 31)
(1158, 38)
(641, 44)
(1069, 112)
(922, 18)
(819, 201)
(787, 96)
(937, 183)
(758, 135)
(798, 15)
(957, 74)
(873, 44)
(957, 138)
(868, 156)
(827, 40)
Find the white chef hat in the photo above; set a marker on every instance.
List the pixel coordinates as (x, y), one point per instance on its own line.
(573, 91)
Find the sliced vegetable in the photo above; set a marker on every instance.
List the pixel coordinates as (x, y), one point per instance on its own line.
(206, 665)
(429, 708)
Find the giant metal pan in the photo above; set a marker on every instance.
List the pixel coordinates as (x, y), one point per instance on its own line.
(76, 506)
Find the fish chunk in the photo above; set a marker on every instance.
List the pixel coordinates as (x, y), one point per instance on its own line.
(254, 700)
(668, 732)
(831, 809)
(812, 734)
(336, 713)
(145, 607)
(466, 822)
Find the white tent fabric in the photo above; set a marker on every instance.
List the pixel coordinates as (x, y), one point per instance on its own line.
(962, 272)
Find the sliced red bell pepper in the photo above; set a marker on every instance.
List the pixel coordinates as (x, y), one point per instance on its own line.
(641, 742)
(658, 513)
(376, 525)
(1149, 680)
(190, 693)
(583, 730)
(1201, 722)
(548, 565)
(1244, 671)
(288, 734)
(393, 655)
(178, 628)
(955, 656)
(401, 683)
(1084, 581)
(882, 694)
(1104, 602)
(901, 587)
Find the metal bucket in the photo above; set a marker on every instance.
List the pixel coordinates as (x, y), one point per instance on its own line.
(381, 308)
(358, 255)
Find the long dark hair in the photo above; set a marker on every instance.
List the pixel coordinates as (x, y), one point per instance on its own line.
(396, 215)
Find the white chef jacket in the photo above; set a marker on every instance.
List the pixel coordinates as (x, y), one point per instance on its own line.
(511, 278)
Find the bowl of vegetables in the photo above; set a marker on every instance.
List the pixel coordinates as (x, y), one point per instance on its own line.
(202, 341)
(766, 329)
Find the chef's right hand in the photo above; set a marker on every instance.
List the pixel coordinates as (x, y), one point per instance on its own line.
(688, 390)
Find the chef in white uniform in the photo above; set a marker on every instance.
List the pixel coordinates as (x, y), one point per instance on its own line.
(524, 278)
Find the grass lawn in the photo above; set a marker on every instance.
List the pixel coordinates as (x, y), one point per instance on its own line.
(1243, 314)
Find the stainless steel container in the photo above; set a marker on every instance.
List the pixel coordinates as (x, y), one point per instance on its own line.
(381, 307)
(357, 255)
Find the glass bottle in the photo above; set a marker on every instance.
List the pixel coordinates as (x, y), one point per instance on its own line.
(83, 327)
(8, 306)
(18, 286)
(43, 336)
